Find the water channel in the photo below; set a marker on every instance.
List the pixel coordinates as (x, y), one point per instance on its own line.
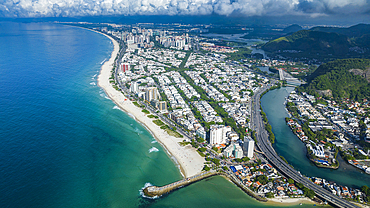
(294, 151)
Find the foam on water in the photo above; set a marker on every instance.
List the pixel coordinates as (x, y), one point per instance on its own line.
(132, 116)
(92, 83)
(102, 94)
(116, 107)
(154, 142)
(153, 149)
(141, 191)
(138, 131)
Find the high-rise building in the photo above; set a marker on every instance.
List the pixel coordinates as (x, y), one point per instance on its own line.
(248, 146)
(217, 134)
(151, 93)
(124, 67)
(233, 150)
(134, 87)
(162, 105)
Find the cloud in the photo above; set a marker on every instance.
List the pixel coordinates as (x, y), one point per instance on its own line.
(70, 8)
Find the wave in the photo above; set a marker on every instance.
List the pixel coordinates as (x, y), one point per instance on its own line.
(154, 142)
(92, 83)
(102, 94)
(153, 149)
(116, 107)
(102, 61)
(132, 116)
(138, 131)
(142, 192)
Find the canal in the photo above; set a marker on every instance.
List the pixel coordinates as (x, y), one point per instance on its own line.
(294, 151)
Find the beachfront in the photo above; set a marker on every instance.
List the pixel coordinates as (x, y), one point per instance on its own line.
(189, 161)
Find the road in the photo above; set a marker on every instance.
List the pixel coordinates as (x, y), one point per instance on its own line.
(262, 142)
(265, 146)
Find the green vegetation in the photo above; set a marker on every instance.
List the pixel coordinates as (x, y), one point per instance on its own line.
(284, 159)
(262, 179)
(242, 53)
(306, 191)
(206, 168)
(336, 77)
(268, 127)
(225, 168)
(168, 129)
(202, 149)
(366, 190)
(201, 153)
(145, 111)
(151, 116)
(184, 143)
(136, 104)
(158, 122)
(270, 195)
(310, 42)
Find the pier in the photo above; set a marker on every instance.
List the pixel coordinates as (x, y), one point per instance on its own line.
(155, 191)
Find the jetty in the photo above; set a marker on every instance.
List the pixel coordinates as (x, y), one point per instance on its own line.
(156, 191)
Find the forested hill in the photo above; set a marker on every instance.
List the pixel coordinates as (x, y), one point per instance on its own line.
(353, 31)
(311, 42)
(323, 43)
(344, 78)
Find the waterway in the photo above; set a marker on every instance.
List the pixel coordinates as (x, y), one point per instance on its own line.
(294, 151)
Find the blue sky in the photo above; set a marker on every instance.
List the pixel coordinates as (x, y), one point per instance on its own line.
(248, 8)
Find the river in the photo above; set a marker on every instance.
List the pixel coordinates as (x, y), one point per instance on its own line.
(294, 151)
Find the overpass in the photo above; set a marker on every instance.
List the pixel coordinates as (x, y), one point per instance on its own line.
(265, 146)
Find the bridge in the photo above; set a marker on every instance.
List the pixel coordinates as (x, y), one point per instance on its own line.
(283, 75)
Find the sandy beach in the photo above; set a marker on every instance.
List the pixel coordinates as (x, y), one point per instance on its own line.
(189, 161)
(290, 201)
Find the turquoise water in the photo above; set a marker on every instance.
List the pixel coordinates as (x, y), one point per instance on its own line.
(65, 144)
(292, 149)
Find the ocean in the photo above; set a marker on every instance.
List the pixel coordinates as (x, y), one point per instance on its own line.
(65, 144)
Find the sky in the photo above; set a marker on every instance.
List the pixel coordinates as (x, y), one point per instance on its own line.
(248, 8)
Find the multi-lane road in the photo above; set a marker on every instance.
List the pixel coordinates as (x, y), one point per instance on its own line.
(265, 146)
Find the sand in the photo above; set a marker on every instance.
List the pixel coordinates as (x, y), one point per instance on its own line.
(290, 201)
(188, 160)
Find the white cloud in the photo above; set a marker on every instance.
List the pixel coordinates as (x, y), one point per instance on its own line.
(50, 8)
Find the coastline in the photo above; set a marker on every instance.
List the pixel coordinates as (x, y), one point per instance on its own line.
(289, 201)
(186, 158)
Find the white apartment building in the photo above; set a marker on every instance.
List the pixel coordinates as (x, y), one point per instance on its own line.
(217, 134)
(248, 147)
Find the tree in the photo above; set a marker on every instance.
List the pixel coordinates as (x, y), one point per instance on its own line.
(290, 181)
(262, 179)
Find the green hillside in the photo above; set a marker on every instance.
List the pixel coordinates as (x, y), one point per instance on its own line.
(345, 78)
(306, 43)
(353, 31)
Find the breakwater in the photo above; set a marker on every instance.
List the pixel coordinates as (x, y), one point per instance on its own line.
(155, 191)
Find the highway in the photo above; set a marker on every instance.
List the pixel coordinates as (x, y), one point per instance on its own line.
(265, 146)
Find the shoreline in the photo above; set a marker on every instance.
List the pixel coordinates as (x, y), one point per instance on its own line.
(185, 158)
(289, 201)
(169, 143)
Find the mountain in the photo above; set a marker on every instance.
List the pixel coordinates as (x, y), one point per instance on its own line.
(352, 32)
(307, 42)
(342, 78)
(292, 29)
